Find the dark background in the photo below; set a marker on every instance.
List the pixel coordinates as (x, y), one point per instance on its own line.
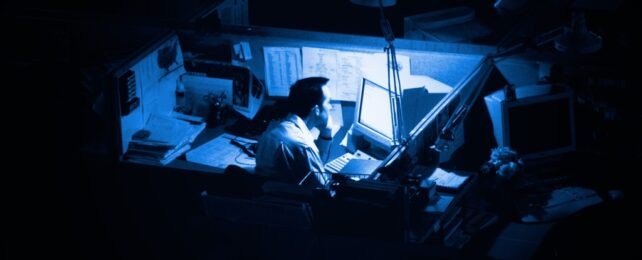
(64, 201)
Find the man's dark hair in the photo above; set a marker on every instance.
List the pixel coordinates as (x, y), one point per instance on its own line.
(305, 94)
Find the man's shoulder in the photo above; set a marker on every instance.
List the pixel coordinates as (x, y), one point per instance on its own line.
(287, 133)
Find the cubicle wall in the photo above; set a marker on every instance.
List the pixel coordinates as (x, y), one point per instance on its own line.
(446, 62)
(146, 85)
(420, 147)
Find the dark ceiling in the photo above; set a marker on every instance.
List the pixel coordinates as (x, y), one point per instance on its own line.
(610, 19)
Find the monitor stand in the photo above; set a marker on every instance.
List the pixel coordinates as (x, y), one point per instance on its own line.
(354, 141)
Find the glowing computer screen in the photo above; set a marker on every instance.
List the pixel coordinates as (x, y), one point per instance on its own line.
(373, 115)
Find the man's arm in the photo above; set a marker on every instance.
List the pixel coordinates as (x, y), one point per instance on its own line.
(323, 143)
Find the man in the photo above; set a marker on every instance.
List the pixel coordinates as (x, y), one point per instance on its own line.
(288, 151)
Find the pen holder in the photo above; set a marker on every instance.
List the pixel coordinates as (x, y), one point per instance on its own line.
(217, 112)
(216, 115)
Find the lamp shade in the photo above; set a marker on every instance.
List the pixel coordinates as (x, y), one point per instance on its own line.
(374, 3)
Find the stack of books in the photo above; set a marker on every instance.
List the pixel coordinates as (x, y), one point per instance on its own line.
(162, 140)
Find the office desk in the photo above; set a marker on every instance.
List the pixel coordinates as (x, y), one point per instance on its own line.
(353, 215)
(463, 67)
(209, 134)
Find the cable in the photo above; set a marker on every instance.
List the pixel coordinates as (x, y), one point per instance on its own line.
(236, 159)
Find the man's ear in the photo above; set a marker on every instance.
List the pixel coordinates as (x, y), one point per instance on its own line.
(316, 110)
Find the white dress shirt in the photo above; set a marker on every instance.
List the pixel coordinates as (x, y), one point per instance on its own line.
(288, 152)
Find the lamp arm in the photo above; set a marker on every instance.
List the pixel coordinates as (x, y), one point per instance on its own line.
(386, 29)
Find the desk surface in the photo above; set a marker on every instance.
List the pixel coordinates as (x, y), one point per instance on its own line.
(208, 134)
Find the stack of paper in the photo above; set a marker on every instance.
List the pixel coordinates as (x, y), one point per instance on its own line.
(162, 140)
(446, 179)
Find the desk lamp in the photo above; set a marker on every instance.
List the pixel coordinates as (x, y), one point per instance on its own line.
(394, 92)
(573, 39)
(394, 81)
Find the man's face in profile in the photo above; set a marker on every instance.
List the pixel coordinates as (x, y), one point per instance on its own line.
(324, 109)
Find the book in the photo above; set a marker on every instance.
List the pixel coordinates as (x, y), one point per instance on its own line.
(158, 161)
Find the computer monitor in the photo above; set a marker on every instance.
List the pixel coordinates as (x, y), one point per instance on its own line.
(373, 116)
(536, 127)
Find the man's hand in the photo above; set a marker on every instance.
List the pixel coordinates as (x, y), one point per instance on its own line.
(326, 133)
(329, 130)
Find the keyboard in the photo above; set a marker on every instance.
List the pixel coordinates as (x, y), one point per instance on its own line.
(338, 163)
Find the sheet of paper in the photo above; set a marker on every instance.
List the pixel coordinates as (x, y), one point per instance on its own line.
(349, 75)
(336, 113)
(447, 179)
(344, 141)
(243, 51)
(343, 68)
(432, 85)
(321, 63)
(282, 69)
(376, 69)
(220, 153)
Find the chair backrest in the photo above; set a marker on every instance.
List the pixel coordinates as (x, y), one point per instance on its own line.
(265, 210)
(241, 182)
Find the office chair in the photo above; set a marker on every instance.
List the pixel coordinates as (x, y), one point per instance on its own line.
(260, 201)
(269, 211)
(264, 226)
(239, 182)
